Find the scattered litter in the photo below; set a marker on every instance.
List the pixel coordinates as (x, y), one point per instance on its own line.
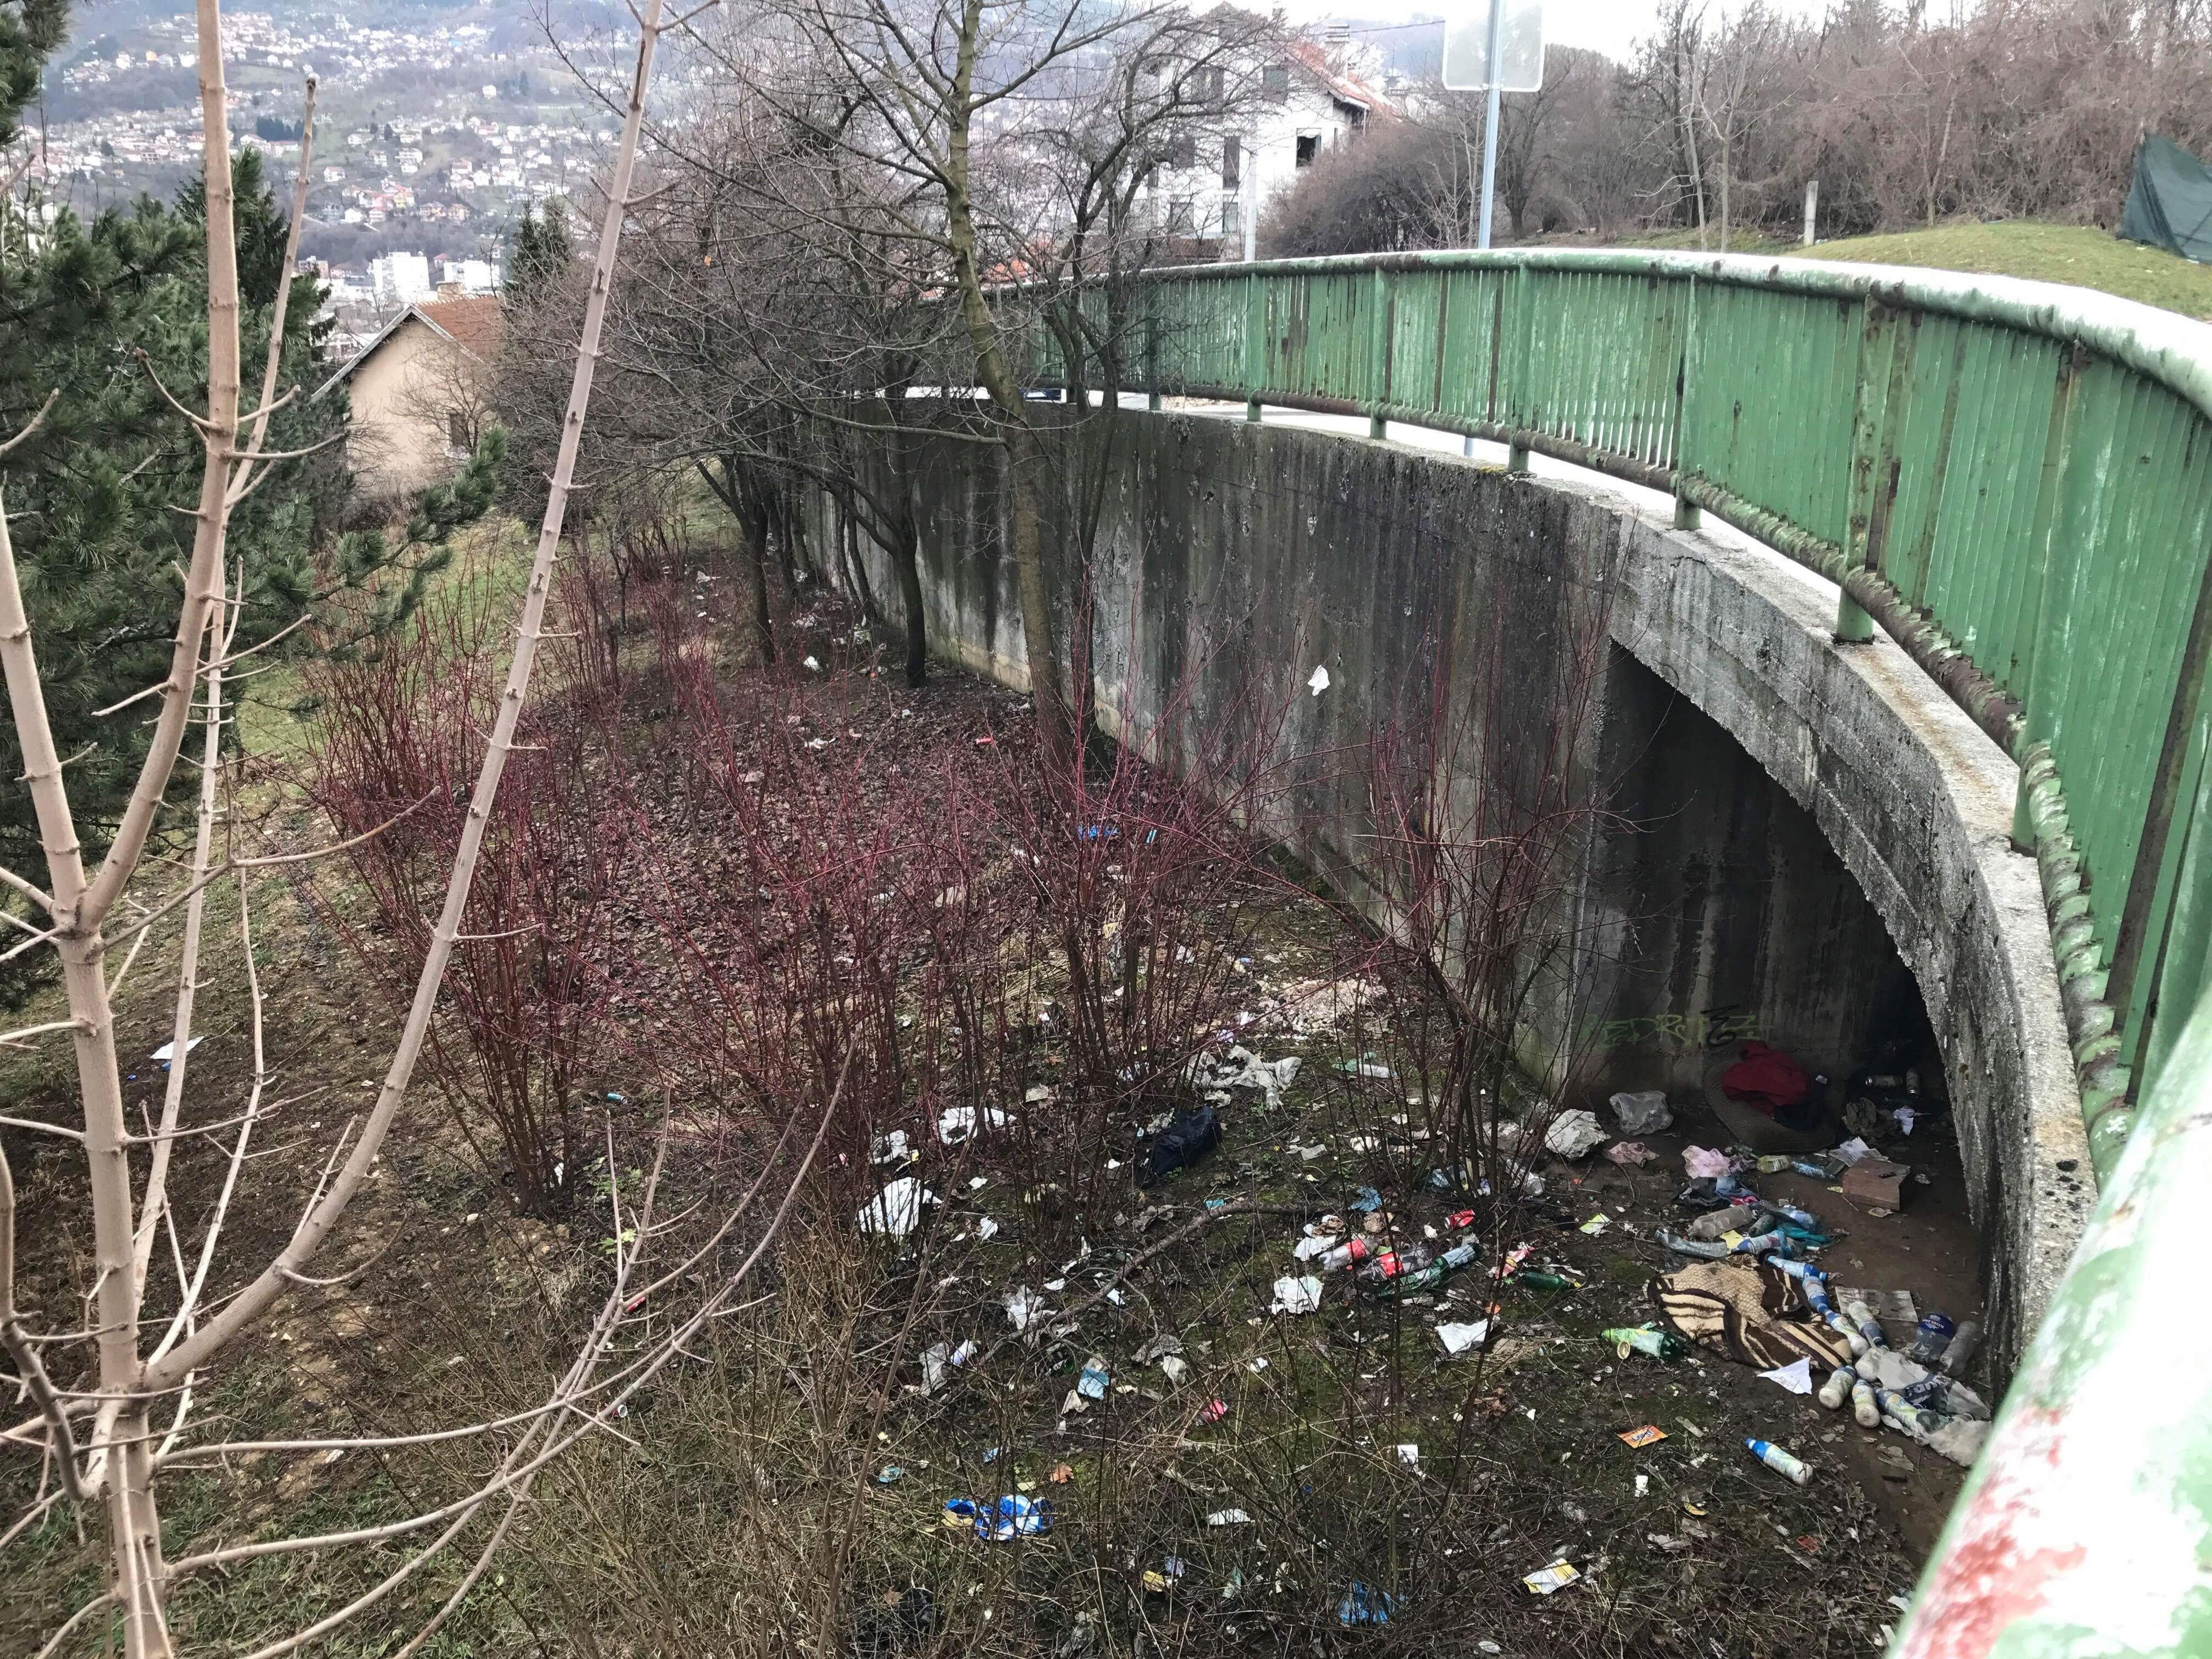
(1631, 1151)
(1360, 1605)
(1666, 1543)
(1779, 1460)
(1176, 1368)
(955, 1124)
(1243, 1069)
(986, 1228)
(1193, 1134)
(896, 1210)
(167, 1051)
(889, 1475)
(1702, 1164)
(1308, 1153)
(1092, 1384)
(889, 1148)
(1643, 1113)
(1650, 1435)
(1853, 1150)
(1796, 1376)
(1573, 1134)
(1410, 1455)
(1159, 1347)
(1546, 1581)
(1366, 1201)
(1318, 682)
(1061, 1474)
(1014, 1517)
(1023, 1307)
(1458, 1339)
(1256, 1363)
(1212, 1412)
(1372, 1070)
(1228, 1518)
(1596, 1224)
(1297, 1295)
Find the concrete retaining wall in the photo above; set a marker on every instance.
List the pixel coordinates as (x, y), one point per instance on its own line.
(1782, 830)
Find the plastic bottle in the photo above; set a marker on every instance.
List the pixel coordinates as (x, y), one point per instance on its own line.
(1772, 1163)
(1806, 1166)
(1837, 1388)
(1932, 1338)
(1708, 1250)
(1398, 1277)
(1779, 1460)
(1866, 1403)
(1804, 1218)
(1737, 1219)
(1349, 1254)
(1531, 1279)
(1919, 1420)
(1961, 1348)
(1870, 1327)
(1660, 1345)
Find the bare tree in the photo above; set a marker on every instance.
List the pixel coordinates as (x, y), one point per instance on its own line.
(1011, 140)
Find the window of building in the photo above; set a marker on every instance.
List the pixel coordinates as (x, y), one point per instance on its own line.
(1232, 219)
(1179, 215)
(1275, 82)
(1308, 146)
(1232, 164)
(456, 429)
(1182, 150)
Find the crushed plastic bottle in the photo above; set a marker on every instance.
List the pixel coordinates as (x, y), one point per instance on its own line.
(1959, 1352)
(1349, 1254)
(1405, 1281)
(1837, 1388)
(1932, 1338)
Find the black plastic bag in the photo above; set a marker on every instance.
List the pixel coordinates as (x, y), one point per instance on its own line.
(1191, 1136)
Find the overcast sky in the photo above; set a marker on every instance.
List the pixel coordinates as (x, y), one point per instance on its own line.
(1611, 27)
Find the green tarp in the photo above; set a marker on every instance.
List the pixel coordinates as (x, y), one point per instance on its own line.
(2170, 204)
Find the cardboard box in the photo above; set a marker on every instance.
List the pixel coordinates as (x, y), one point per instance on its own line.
(1875, 1183)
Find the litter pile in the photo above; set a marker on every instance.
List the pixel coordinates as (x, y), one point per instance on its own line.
(1750, 1292)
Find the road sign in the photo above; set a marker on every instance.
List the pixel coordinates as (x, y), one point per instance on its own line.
(1520, 35)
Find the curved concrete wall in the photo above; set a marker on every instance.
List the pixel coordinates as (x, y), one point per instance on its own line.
(1554, 631)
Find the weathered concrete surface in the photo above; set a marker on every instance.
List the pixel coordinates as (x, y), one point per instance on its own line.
(1918, 803)
(1555, 642)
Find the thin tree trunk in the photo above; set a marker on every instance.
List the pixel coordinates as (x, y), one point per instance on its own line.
(907, 556)
(1048, 683)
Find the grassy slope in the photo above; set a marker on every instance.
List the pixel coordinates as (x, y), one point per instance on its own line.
(2082, 255)
(2079, 254)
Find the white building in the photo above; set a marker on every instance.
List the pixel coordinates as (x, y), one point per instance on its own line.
(473, 275)
(1311, 100)
(400, 279)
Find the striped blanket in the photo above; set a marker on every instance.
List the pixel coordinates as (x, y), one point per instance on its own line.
(1748, 1311)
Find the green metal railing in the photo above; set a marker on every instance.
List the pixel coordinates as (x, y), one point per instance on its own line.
(2013, 479)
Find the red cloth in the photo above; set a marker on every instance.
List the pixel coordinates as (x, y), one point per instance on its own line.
(1766, 1078)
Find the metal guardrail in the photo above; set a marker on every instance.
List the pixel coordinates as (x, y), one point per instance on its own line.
(2014, 480)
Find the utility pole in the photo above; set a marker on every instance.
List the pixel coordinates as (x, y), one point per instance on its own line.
(1812, 207)
(1490, 121)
